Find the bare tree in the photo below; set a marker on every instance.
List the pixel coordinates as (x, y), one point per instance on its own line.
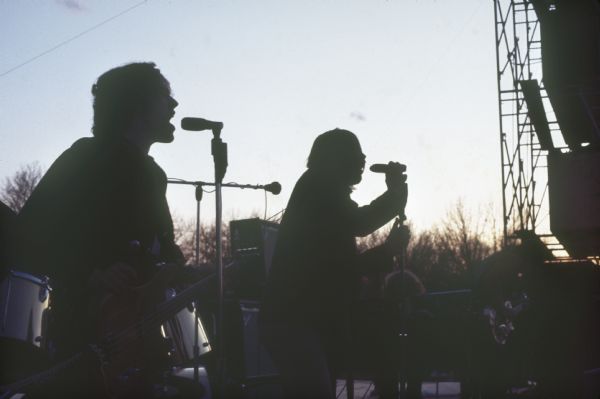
(421, 253)
(444, 255)
(16, 189)
(185, 237)
(461, 238)
(372, 240)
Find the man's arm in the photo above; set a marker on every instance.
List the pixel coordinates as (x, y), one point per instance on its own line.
(366, 219)
(381, 257)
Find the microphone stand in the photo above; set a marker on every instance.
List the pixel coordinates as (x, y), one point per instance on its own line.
(235, 185)
(401, 265)
(219, 153)
(198, 195)
(220, 149)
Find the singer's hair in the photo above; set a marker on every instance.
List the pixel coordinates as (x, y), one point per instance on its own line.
(329, 147)
(120, 93)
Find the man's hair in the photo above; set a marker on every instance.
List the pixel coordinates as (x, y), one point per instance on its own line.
(122, 92)
(329, 146)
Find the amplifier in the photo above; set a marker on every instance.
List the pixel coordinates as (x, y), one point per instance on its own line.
(261, 374)
(574, 186)
(252, 246)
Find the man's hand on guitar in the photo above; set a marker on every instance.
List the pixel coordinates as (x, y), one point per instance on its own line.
(397, 240)
(119, 278)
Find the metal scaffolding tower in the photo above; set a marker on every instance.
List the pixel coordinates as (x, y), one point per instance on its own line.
(524, 161)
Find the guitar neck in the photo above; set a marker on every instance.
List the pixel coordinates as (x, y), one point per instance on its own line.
(25, 385)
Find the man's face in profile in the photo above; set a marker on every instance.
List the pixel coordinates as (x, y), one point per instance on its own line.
(353, 163)
(157, 117)
(161, 111)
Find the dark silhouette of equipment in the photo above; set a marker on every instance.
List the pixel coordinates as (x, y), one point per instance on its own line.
(570, 42)
(252, 245)
(537, 113)
(570, 35)
(260, 373)
(574, 184)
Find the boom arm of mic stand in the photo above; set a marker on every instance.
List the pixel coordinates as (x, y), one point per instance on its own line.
(203, 183)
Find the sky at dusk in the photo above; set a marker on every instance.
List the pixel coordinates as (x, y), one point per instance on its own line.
(414, 79)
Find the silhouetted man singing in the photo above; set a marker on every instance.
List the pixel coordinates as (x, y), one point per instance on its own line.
(315, 263)
(102, 196)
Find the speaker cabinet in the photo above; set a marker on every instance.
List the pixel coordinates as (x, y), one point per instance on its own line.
(252, 246)
(574, 185)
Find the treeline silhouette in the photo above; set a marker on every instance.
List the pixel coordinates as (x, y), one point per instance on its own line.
(444, 257)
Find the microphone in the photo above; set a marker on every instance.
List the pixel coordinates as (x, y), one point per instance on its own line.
(273, 188)
(383, 168)
(199, 124)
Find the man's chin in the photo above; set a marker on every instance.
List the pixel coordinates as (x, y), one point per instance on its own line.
(166, 137)
(352, 182)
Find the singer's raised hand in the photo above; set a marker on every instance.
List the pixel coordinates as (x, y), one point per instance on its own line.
(395, 178)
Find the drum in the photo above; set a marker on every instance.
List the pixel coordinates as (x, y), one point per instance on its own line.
(180, 329)
(24, 308)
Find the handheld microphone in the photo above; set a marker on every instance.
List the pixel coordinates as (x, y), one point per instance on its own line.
(199, 124)
(384, 168)
(273, 188)
(379, 168)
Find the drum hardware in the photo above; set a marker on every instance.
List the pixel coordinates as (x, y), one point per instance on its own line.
(44, 290)
(185, 333)
(24, 307)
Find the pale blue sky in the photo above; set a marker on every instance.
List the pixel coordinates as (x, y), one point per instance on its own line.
(414, 79)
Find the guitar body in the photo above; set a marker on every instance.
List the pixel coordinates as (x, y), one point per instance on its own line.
(133, 348)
